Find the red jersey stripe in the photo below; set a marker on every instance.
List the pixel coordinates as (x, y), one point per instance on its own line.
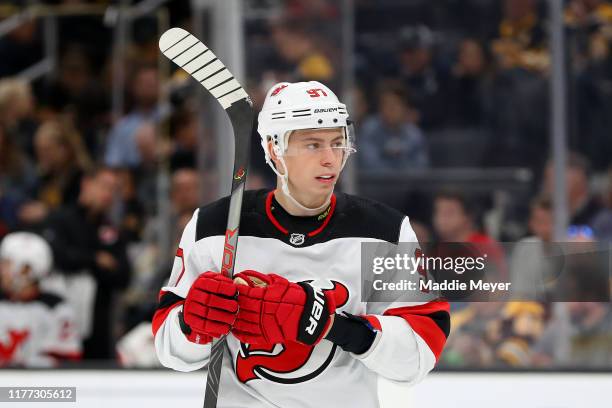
(430, 321)
(160, 316)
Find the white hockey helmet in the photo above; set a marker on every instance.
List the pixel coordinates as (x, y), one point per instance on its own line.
(294, 106)
(25, 249)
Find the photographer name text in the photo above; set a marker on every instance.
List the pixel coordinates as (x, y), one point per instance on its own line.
(430, 285)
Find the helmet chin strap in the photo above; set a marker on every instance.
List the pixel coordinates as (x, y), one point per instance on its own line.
(285, 186)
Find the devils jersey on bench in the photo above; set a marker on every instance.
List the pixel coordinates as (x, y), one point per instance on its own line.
(325, 250)
(37, 333)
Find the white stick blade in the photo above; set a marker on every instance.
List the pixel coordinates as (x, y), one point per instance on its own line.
(196, 59)
(171, 37)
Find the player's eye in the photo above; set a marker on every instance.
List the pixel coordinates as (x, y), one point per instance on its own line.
(312, 146)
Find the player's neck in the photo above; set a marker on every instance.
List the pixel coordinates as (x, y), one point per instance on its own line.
(291, 208)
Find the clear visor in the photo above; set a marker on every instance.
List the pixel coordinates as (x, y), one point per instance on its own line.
(317, 143)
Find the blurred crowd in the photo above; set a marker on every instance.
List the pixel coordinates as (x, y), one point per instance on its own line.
(438, 85)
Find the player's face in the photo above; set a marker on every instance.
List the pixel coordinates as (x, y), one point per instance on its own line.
(13, 282)
(4, 274)
(314, 159)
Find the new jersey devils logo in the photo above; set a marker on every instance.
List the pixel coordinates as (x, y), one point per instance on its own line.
(15, 340)
(278, 89)
(293, 362)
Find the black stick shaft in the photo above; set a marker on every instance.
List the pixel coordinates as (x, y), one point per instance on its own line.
(241, 116)
(202, 64)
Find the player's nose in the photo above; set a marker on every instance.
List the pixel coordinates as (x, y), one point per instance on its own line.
(327, 157)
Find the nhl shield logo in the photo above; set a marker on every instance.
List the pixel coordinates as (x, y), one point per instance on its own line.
(297, 239)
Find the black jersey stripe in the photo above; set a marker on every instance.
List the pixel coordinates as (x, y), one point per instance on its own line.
(354, 217)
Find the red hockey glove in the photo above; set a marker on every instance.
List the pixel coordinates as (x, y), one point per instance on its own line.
(210, 308)
(274, 310)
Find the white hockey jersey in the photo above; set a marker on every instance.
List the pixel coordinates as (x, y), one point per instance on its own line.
(326, 251)
(37, 333)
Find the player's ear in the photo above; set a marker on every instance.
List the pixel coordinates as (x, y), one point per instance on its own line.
(272, 151)
(274, 157)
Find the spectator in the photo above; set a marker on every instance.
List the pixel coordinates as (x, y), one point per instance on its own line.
(521, 60)
(21, 48)
(92, 254)
(454, 221)
(184, 131)
(582, 341)
(61, 161)
(361, 106)
(298, 47)
(76, 89)
(419, 74)
(488, 334)
(602, 223)
(122, 148)
(136, 349)
(146, 144)
(184, 195)
(74, 76)
(590, 24)
(583, 206)
(390, 140)
(16, 101)
(589, 132)
(151, 261)
(128, 211)
(521, 326)
(151, 151)
(185, 191)
(521, 37)
(16, 181)
(466, 87)
(530, 265)
(37, 329)
(473, 336)
(16, 112)
(541, 219)
(588, 13)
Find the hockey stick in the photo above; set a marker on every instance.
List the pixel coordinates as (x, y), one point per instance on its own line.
(197, 60)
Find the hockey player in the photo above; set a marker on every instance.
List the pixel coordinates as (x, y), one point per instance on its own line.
(298, 332)
(37, 329)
